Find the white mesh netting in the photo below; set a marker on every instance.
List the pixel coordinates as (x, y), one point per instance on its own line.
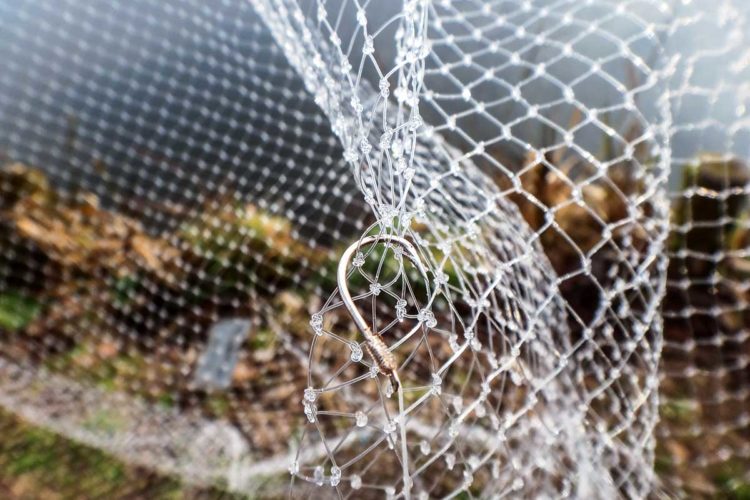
(400, 249)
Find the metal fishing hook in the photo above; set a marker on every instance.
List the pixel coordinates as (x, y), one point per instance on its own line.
(374, 344)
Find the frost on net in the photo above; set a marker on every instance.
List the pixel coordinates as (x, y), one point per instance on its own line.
(398, 249)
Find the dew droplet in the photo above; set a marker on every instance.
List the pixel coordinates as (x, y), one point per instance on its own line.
(453, 430)
(390, 427)
(310, 395)
(458, 404)
(388, 388)
(311, 412)
(468, 478)
(360, 419)
(480, 411)
(357, 355)
(453, 342)
(316, 322)
(401, 309)
(427, 317)
(437, 384)
(359, 260)
(424, 447)
(476, 345)
(335, 476)
(318, 475)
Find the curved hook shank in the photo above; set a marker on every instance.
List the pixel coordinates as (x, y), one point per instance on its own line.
(341, 275)
(375, 344)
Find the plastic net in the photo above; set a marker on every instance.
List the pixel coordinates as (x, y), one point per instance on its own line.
(399, 249)
(704, 433)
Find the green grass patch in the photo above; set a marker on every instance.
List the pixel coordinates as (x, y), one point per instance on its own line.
(733, 481)
(679, 410)
(36, 463)
(17, 310)
(262, 339)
